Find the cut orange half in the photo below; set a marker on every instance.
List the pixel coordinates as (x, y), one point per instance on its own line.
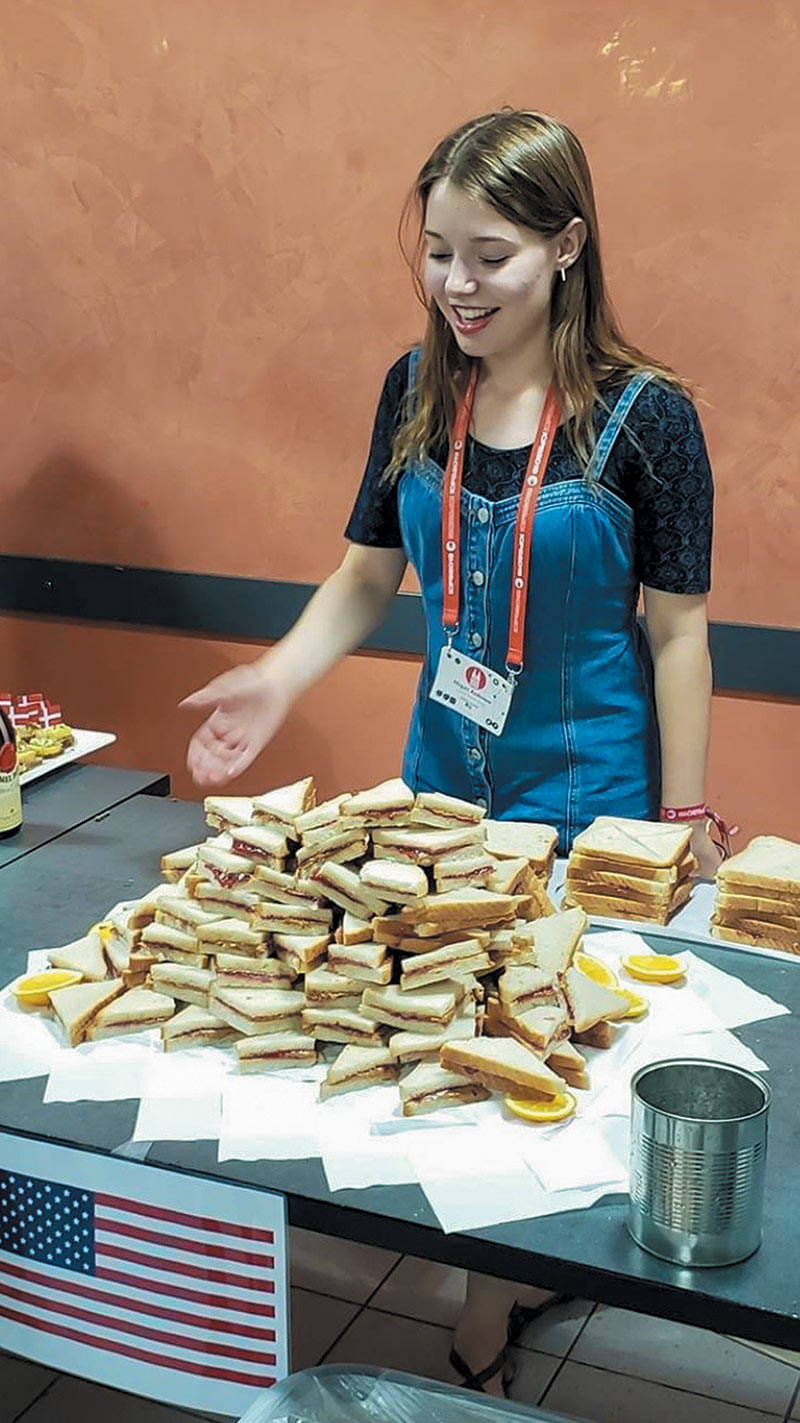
(638, 1005)
(34, 991)
(542, 1109)
(654, 968)
(595, 970)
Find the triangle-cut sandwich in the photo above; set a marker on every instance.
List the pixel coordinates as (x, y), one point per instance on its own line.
(283, 806)
(430, 1087)
(395, 881)
(454, 961)
(389, 803)
(590, 1002)
(362, 963)
(758, 896)
(338, 1023)
(177, 980)
(445, 812)
(555, 940)
(132, 1012)
(195, 1027)
(257, 1010)
(235, 971)
(83, 956)
(424, 1047)
(426, 1010)
(276, 1050)
(76, 1006)
(522, 839)
(263, 844)
(357, 1067)
(225, 811)
(502, 1065)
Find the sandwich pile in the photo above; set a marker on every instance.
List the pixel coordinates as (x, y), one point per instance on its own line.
(630, 869)
(758, 896)
(411, 933)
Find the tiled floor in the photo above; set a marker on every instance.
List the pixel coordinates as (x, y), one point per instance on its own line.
(357, 1304)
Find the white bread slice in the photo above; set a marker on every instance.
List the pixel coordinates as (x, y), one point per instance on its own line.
(608, 907)
(649, 892)
(223, 867)
(344, 887)
(744, 919)
(425, 1009)
(634, 842)
(471, 866)
(434, 809)
(768, 937)
(194, 1027)
(273, 917)
(276, 1050)
(324, 986)
(590, 1002)
(570, 1064)
(556, 938)
(340, 847)
(522, 985)
(769, 863)
(282, 806)
(424, 1047)
(256, 1010)
(366, 963)
(356, 930)
(301, 951)
(526, 839)
(188, 985)
(636, 876)
(335, 1023)
(389, 803)
(236, 971)
(460, 908)
(510, 876)
(440, 965)
(259, 843)
(395, 881)
(540, 1025)
(176, 862)
(502, 1065)
(763, 905)
(76, 1006)
(183, 913)
(424, 847)
(222, 811)
(320, 817)
(430, 1086)
(225, 903)
(273, 884)
(129, 1013)
(358, 1067)
(83, 956)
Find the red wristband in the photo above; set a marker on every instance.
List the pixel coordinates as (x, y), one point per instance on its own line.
(684, 812)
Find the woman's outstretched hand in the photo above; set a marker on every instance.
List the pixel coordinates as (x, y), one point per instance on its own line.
(245, 708)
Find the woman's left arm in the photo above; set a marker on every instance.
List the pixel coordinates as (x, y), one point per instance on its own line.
(677, 626)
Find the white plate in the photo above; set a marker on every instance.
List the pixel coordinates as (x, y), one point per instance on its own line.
(86, 743)
(692, 922)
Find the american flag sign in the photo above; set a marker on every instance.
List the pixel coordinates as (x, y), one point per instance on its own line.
(157, 1282)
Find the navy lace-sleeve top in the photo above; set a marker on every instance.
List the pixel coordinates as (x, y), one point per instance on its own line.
(659, 466)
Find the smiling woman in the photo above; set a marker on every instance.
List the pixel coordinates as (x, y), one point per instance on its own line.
(538, 471)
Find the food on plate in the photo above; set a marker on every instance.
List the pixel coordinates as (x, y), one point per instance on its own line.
(232, 936)
(474, 866)
(412, 1046)
(131, 1012)
(76, 1006)
(345, 889)
(276, 1050)
(257, 1010)
(542, 1109)
(521, 986)
(189, 985)
(452, 961)
(432, 808)
(593, 968)
(364, 963)
(236, 971)
(282, 807)
(84, 956)
(630, 869)
(358, 1067)
(425, 847)
(395, 883)
(390, 803)
(425, 1009)
(430, 1087)
(324, 986)
(340, 1023)
(522, 839)
(540, 1027)
(590, 1002)
(223, 812)
(638, 1006)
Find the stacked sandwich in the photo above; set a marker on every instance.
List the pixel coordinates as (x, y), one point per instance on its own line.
(630, 869)
(758, 896)
(389, 927)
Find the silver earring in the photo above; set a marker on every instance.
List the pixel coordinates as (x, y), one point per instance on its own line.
(563, 274)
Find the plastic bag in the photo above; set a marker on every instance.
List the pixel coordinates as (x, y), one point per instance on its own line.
(337, 1393)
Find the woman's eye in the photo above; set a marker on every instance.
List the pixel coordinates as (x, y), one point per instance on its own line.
(439, 256)
(493, 261)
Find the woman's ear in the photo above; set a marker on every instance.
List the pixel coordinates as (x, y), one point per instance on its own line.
(570, 243)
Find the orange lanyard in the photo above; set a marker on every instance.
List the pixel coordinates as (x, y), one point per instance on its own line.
(523, 528)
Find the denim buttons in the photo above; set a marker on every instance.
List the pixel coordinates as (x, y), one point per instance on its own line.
(483, 515)
(475, 639)
(477, 578)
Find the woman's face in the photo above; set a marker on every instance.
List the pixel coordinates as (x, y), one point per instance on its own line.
(491, 279)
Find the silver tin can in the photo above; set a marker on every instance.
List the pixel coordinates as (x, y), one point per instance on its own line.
(697, 1160)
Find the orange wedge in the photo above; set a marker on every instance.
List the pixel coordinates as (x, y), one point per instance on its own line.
(654, 968)
(34, 990)
(595, 970)
(542, 1109)
(638, 1006)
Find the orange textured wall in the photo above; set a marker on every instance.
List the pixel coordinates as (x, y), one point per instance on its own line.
(200, 292)
(200, 282)
(349, 730)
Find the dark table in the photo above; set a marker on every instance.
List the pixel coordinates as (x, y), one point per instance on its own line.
(70, 796)
(59, 890)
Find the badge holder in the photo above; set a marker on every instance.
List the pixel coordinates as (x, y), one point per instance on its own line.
(471, 690)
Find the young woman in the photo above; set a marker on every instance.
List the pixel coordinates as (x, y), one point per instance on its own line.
(539, 472)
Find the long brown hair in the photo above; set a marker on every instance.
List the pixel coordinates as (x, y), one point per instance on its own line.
(533, 170)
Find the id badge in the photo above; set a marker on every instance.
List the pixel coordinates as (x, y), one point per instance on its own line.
(471, 690)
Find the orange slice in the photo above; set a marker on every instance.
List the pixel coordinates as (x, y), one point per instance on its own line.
(654, 968)
(638, 1006)
(34, 990)
(542, 1109)
(595, 970)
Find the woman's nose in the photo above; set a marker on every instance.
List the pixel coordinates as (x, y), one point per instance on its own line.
(460, 280)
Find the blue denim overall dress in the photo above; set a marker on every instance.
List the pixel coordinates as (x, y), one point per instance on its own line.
(581, 737)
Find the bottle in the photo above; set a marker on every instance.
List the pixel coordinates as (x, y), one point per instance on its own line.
(10, 794)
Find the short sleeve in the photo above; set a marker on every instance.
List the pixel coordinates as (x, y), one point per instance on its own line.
(669, 485)
(375, 519)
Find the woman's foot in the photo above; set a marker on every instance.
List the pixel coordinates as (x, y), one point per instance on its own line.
(494, 1315)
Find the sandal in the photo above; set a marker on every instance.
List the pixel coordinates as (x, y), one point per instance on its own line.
(476, 1381)
(520, 1315)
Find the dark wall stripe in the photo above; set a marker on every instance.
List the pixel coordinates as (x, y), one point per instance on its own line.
(764, 661)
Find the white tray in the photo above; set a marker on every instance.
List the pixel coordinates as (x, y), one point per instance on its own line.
(692, 922)
(86, 743)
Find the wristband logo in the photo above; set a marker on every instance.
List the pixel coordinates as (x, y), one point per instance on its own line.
(476, 678)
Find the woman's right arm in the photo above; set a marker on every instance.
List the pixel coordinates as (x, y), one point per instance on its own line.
(247, 704)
